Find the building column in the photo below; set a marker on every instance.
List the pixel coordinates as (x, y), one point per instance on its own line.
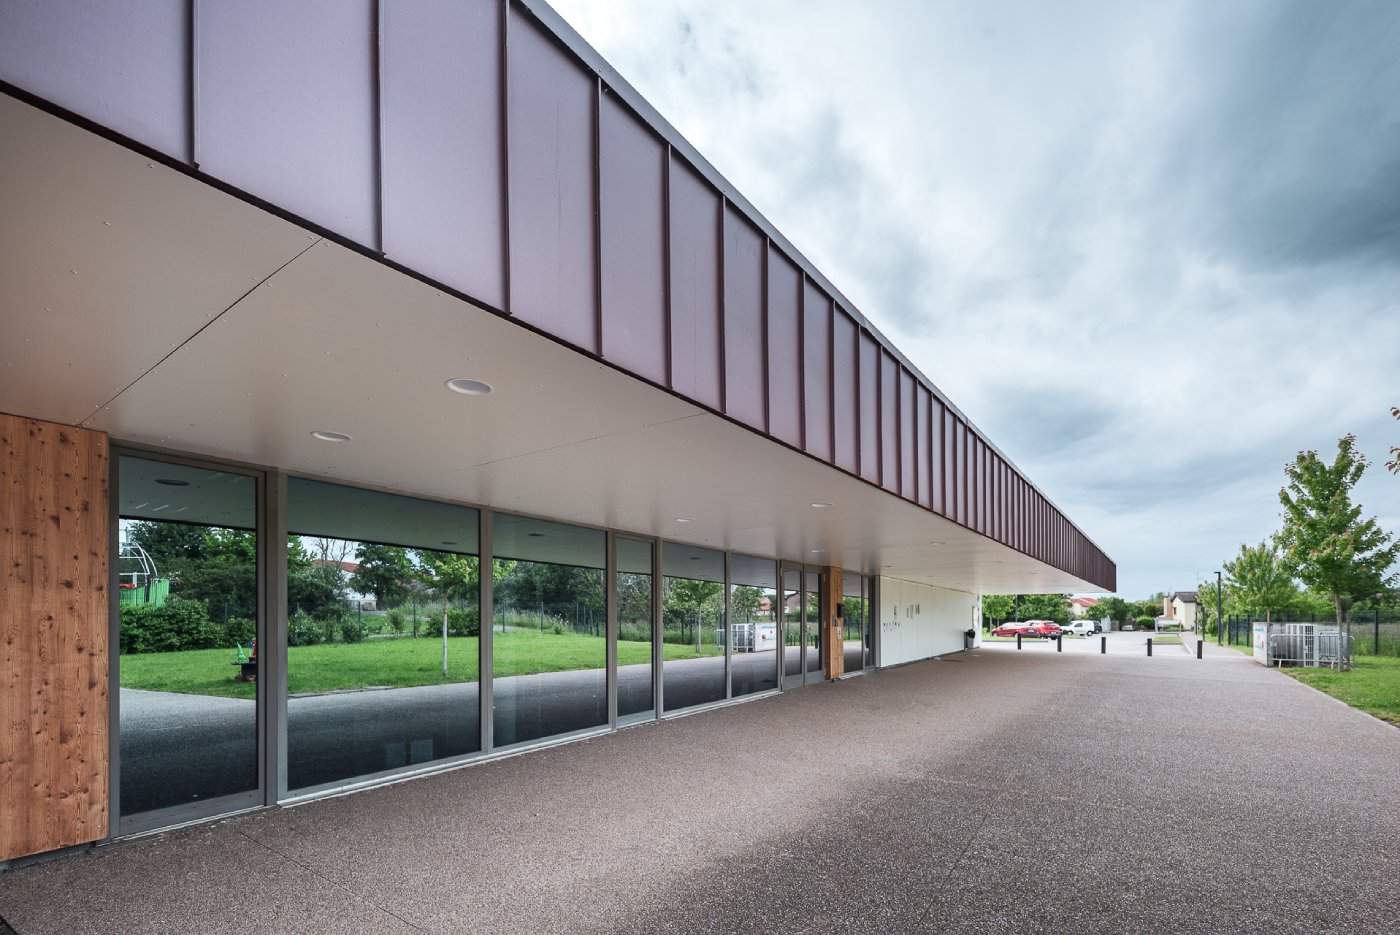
(54, 612)
(833, 642)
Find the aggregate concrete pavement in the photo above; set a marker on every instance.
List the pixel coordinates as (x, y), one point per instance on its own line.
(991, 791)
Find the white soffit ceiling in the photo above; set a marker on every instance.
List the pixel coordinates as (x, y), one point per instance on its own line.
(334, 341)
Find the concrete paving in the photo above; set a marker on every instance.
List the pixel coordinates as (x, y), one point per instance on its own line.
(992, 791)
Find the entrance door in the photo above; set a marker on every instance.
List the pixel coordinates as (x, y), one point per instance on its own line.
(801, 636)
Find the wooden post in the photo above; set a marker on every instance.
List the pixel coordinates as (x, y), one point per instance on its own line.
(834, 645)
(53, 614)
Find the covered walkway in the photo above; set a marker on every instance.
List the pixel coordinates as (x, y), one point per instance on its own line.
(985, 792)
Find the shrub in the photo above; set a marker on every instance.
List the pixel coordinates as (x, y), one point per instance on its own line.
(352, 629)
(396, 620)
(1145, 622)
(240, 631)
(304, 630)
(177, 624)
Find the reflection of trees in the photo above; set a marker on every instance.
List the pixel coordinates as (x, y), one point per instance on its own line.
(689, 607)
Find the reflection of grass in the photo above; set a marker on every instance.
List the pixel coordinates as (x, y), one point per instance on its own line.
(1373, 685)
(393, 663)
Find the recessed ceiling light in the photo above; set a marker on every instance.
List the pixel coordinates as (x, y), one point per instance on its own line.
(818, 551)
(449, 542)
(172, 482)
(936, 542)
(535, 535)
(330, 436)
(820, 504)
(470, 387)
(685, 519)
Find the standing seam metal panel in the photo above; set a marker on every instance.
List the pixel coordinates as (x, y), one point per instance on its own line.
(745, 361)
(785, 346)
(817, 376)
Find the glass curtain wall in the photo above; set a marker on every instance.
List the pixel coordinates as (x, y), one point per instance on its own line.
(635, 603)
(753, 627)
(813, 616)
(692, 621)
(856, 631)
(792, 622)
(549, 629)
(383, 632)
(187, 597)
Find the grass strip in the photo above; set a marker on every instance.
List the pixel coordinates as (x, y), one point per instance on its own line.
(1371, 685)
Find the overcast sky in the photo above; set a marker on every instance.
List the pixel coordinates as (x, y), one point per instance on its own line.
(1151, 249)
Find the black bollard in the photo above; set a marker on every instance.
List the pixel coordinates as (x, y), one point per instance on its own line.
(1018, 641)
(1199, 644)
(1149, 646)
(1103, 645)
(1059, 640)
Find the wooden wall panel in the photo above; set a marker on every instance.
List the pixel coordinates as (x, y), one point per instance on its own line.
(53, 636)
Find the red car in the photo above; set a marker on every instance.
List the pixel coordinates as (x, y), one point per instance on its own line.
(1013, 629)
(1044, 628)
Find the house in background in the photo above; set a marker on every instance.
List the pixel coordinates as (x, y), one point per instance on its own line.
(1180, 608)
(1084, 607)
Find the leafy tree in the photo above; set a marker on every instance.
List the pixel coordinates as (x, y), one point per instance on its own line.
(1260, 580)
(384, 571)
(744, 602)
(1114, 608)
(1326, 543)
(1053, 607)
(550, 583)
(996, 608)
(1393, 466)
(453, 577)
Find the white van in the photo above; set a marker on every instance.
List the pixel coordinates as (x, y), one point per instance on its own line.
(1081, 627)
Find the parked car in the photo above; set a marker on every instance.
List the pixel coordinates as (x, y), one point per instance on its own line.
(1081, 627)
(1128, 627)
(1012, 628)
(1048, 629)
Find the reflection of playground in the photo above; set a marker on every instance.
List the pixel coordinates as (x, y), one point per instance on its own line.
(187, 748)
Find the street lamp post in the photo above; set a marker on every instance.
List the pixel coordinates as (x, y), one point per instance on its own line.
(1219, 611)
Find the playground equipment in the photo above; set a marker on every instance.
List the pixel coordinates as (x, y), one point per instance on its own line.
(138, 581)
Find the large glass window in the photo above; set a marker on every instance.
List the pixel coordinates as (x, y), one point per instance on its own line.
(692, 615)
(635, 682)
(856, 631)
(383, 632)
(815, 623)
(549, 630)
(753, 626)
(188, 606)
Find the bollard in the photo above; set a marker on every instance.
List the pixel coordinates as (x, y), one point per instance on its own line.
(1103, 645)
(1149, 646)
(1199, 644)
(1059, 641)
(1018, 641)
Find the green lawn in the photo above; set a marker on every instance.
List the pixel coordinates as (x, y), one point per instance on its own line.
(1372, 685)
(396, 663)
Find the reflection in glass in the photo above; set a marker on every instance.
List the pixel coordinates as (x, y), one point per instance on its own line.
(813, 618)
(856, 632)
(187, 604)
(753, 628)
(792, 621)
(692, 620)
(549, 629)
(383, 632)
(635, 693)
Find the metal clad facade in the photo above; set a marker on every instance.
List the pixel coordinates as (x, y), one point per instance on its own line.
(632, 166)
(845, 397)
(553, 227)
(484, 146)
(443, 202)
(286, 107)
(817, 382)
(744, 356)
(696, 350)
(124, 64)
(785, 385)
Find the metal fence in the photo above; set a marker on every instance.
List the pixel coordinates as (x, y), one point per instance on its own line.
(1372, 632)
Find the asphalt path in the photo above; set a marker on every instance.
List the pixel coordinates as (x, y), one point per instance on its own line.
(991, 791)
(178, 749)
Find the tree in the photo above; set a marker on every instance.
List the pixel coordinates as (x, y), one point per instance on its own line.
(1114, 608)
(453, 577)
(1260, 580)
(1053, 607)
(744, 602)
(384, 571)
(1393, 465)
(1326, 543)
(996, 608)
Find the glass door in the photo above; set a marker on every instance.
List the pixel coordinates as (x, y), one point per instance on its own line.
(813, 619)
(791, 595)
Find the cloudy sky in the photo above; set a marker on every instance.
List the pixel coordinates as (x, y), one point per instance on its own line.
(1151, 249)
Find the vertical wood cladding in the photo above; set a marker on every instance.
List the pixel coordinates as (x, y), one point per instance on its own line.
(53, 611)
